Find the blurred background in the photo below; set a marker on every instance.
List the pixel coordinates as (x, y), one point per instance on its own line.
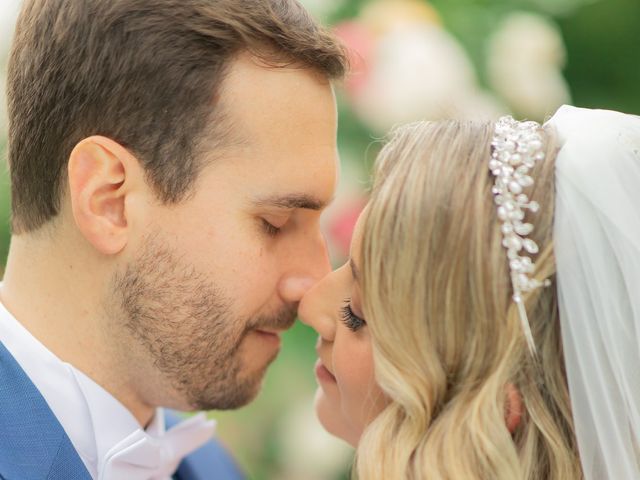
(412, 60)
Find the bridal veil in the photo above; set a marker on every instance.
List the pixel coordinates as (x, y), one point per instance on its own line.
(597, 248)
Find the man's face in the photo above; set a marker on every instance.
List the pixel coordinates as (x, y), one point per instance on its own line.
(212, 280)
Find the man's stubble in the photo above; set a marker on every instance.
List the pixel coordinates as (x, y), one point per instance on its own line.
(186, 325)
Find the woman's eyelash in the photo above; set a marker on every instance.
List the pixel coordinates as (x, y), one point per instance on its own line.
(350, 319)
(270, 229)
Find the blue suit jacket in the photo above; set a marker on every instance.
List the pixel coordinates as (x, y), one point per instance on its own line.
(34, 446)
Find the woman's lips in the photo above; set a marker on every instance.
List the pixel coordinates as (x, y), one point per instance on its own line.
(322, 374)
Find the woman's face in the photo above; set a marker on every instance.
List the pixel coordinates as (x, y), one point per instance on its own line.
(348, 398)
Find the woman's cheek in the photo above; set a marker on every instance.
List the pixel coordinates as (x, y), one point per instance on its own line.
(355, 376)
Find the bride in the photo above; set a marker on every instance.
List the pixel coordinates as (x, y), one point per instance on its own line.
(487, 325)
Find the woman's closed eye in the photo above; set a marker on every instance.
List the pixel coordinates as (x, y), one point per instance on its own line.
(350, 319)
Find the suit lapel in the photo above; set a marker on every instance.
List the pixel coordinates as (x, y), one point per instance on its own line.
(33, 444)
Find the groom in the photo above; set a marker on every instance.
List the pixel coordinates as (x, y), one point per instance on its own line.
(169, 163)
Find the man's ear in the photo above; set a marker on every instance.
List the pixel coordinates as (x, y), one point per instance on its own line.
(513, 407)
(97, 170)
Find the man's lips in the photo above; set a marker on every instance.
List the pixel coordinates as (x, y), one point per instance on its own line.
(270, 336)
(269, 331)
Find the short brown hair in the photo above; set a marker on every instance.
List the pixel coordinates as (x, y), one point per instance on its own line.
(142, 72)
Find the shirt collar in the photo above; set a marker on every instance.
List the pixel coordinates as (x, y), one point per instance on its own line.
(93, 419)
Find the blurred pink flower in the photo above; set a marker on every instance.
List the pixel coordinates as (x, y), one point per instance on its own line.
(360, 43)
(340, 227)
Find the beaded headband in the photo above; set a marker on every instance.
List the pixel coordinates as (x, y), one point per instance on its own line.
(516, 148)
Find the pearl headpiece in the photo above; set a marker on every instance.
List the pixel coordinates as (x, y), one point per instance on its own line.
(516, 148)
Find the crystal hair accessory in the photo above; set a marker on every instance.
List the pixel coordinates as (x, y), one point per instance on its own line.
(516, 148)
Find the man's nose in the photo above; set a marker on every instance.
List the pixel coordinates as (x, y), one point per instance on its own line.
(307, 269)
(314, 310)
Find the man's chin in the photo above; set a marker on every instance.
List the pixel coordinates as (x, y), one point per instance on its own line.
(252, 385)
(240, 401)
(241, 393)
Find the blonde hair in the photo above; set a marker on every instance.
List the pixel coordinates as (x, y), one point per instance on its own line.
(446, 335)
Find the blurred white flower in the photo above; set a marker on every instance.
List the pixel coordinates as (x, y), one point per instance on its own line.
(525, 59)
(308, 450)
(8, 14)
(420, 72)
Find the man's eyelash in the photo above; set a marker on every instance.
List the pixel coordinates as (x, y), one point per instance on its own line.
(350, 319)
(270, 229)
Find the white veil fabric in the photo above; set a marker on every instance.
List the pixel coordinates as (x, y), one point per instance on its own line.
(597, 248)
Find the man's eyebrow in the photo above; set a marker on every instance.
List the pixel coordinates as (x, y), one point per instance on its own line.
(354, 270)
(290, 201)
